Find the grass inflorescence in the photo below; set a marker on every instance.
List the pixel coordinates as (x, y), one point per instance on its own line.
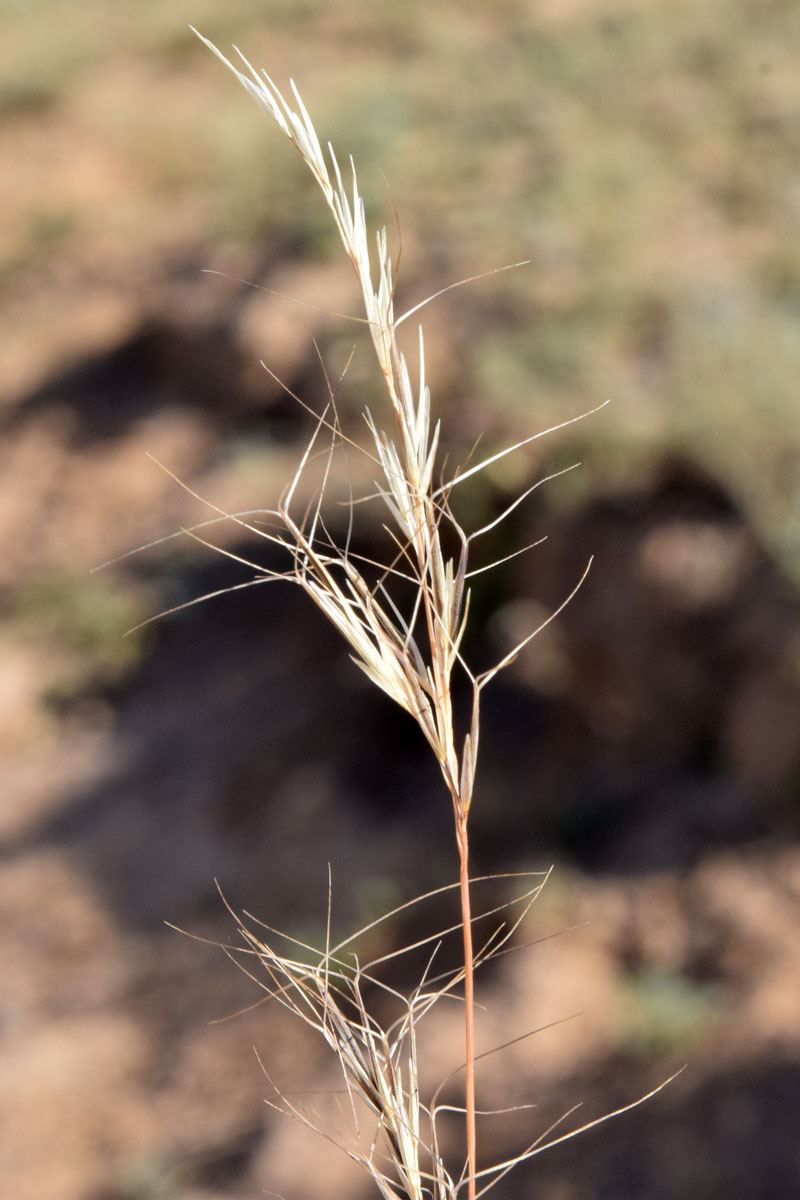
(404, 618)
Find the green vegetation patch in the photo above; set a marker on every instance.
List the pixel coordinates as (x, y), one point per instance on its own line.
(668, 1013)
(87, 621)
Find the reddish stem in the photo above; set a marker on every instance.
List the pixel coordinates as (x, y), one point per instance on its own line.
(469, 1003)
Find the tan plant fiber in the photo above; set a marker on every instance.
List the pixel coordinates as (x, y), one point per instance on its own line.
(410, 653)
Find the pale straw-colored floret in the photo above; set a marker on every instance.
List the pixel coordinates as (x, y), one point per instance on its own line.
(412, 661)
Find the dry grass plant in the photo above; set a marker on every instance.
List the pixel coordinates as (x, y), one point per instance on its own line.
(411, 651)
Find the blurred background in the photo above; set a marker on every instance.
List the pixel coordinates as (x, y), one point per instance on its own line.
(645, 157)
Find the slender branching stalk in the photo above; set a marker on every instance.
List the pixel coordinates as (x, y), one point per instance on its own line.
(410, 650)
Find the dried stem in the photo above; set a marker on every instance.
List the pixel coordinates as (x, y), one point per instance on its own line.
(469, 1007)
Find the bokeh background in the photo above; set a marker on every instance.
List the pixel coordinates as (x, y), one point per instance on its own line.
(645, 157)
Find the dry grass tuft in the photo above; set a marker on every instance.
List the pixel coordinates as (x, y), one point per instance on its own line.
(337, 996)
